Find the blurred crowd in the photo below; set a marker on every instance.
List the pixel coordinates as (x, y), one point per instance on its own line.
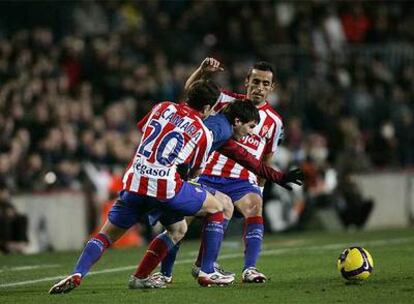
(75, 77)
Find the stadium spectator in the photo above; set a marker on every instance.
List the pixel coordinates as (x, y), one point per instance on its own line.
(353, 208)
(13, 225)
(66, 78)
(356, 23)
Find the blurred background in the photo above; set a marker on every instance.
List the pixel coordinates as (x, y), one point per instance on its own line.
(76, 76)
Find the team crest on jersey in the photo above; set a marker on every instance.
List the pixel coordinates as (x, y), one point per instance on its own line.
(264, 130)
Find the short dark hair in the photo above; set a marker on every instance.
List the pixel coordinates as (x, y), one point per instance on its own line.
(244, 110)
(263, 66)
(201, 93)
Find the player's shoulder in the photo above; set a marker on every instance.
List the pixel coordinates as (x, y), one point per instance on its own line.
(233, 95)
(218, 118)
(271, 112)
(218, 123)
(163, 105)
(225, 98)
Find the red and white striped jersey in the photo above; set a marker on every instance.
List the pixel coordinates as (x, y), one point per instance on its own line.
(265, 138)
(172, 134)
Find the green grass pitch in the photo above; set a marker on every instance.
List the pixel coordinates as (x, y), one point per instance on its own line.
(301, 269)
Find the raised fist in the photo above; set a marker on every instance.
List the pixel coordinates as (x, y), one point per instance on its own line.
(211, 65)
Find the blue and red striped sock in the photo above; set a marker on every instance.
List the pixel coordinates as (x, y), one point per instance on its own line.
(253, 237)
(212, 237)
(167, 263)
(225, 224)
(200, 251)
(156, 252)
(91, 253)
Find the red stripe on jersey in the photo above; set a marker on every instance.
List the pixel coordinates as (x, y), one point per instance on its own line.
(228, 166)
(143, 121)
(143, 185)
(200, 152)
(129, 180)
(267, 107)
(210, 165)
(189, 158)
(147, 132)
(162, 188)
(129, 165)
(178, 183)
(244, 174)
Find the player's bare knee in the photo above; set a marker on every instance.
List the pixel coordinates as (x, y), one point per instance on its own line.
(254, 208)
(215, 207)
(112, 231)
(180, 233)
(250, 207)
(177, 231)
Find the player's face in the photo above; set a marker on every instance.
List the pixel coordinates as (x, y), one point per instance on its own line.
(259, 85)
(242, 129)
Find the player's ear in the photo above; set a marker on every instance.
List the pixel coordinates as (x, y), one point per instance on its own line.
(246, 81)
(237, 122)
(273, 86)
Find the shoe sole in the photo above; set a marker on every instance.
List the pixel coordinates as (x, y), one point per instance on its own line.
(229, 274)
(140, 285)
(206, 283)
(63, 287)
(256, 280)
(147, 287)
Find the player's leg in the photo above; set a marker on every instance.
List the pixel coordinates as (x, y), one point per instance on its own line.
(213, 212)
(218, 187)
(228, 213)
(156, 252)
(195, 200)
(123, 214)
(167, 263)
(91, 253)
(251, 207)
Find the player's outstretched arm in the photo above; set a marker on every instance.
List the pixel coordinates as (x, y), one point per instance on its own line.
(209, 65)
(232, 150)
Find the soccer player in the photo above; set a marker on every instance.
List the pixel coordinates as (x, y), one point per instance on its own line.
(172, 134)
(236, 121)
(225, 175)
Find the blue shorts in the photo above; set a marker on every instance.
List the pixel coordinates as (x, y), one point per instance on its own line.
(132, 208)
(235, 188)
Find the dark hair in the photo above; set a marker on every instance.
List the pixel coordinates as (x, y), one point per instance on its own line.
(262, 66)
(201, 93)
(244, 110)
